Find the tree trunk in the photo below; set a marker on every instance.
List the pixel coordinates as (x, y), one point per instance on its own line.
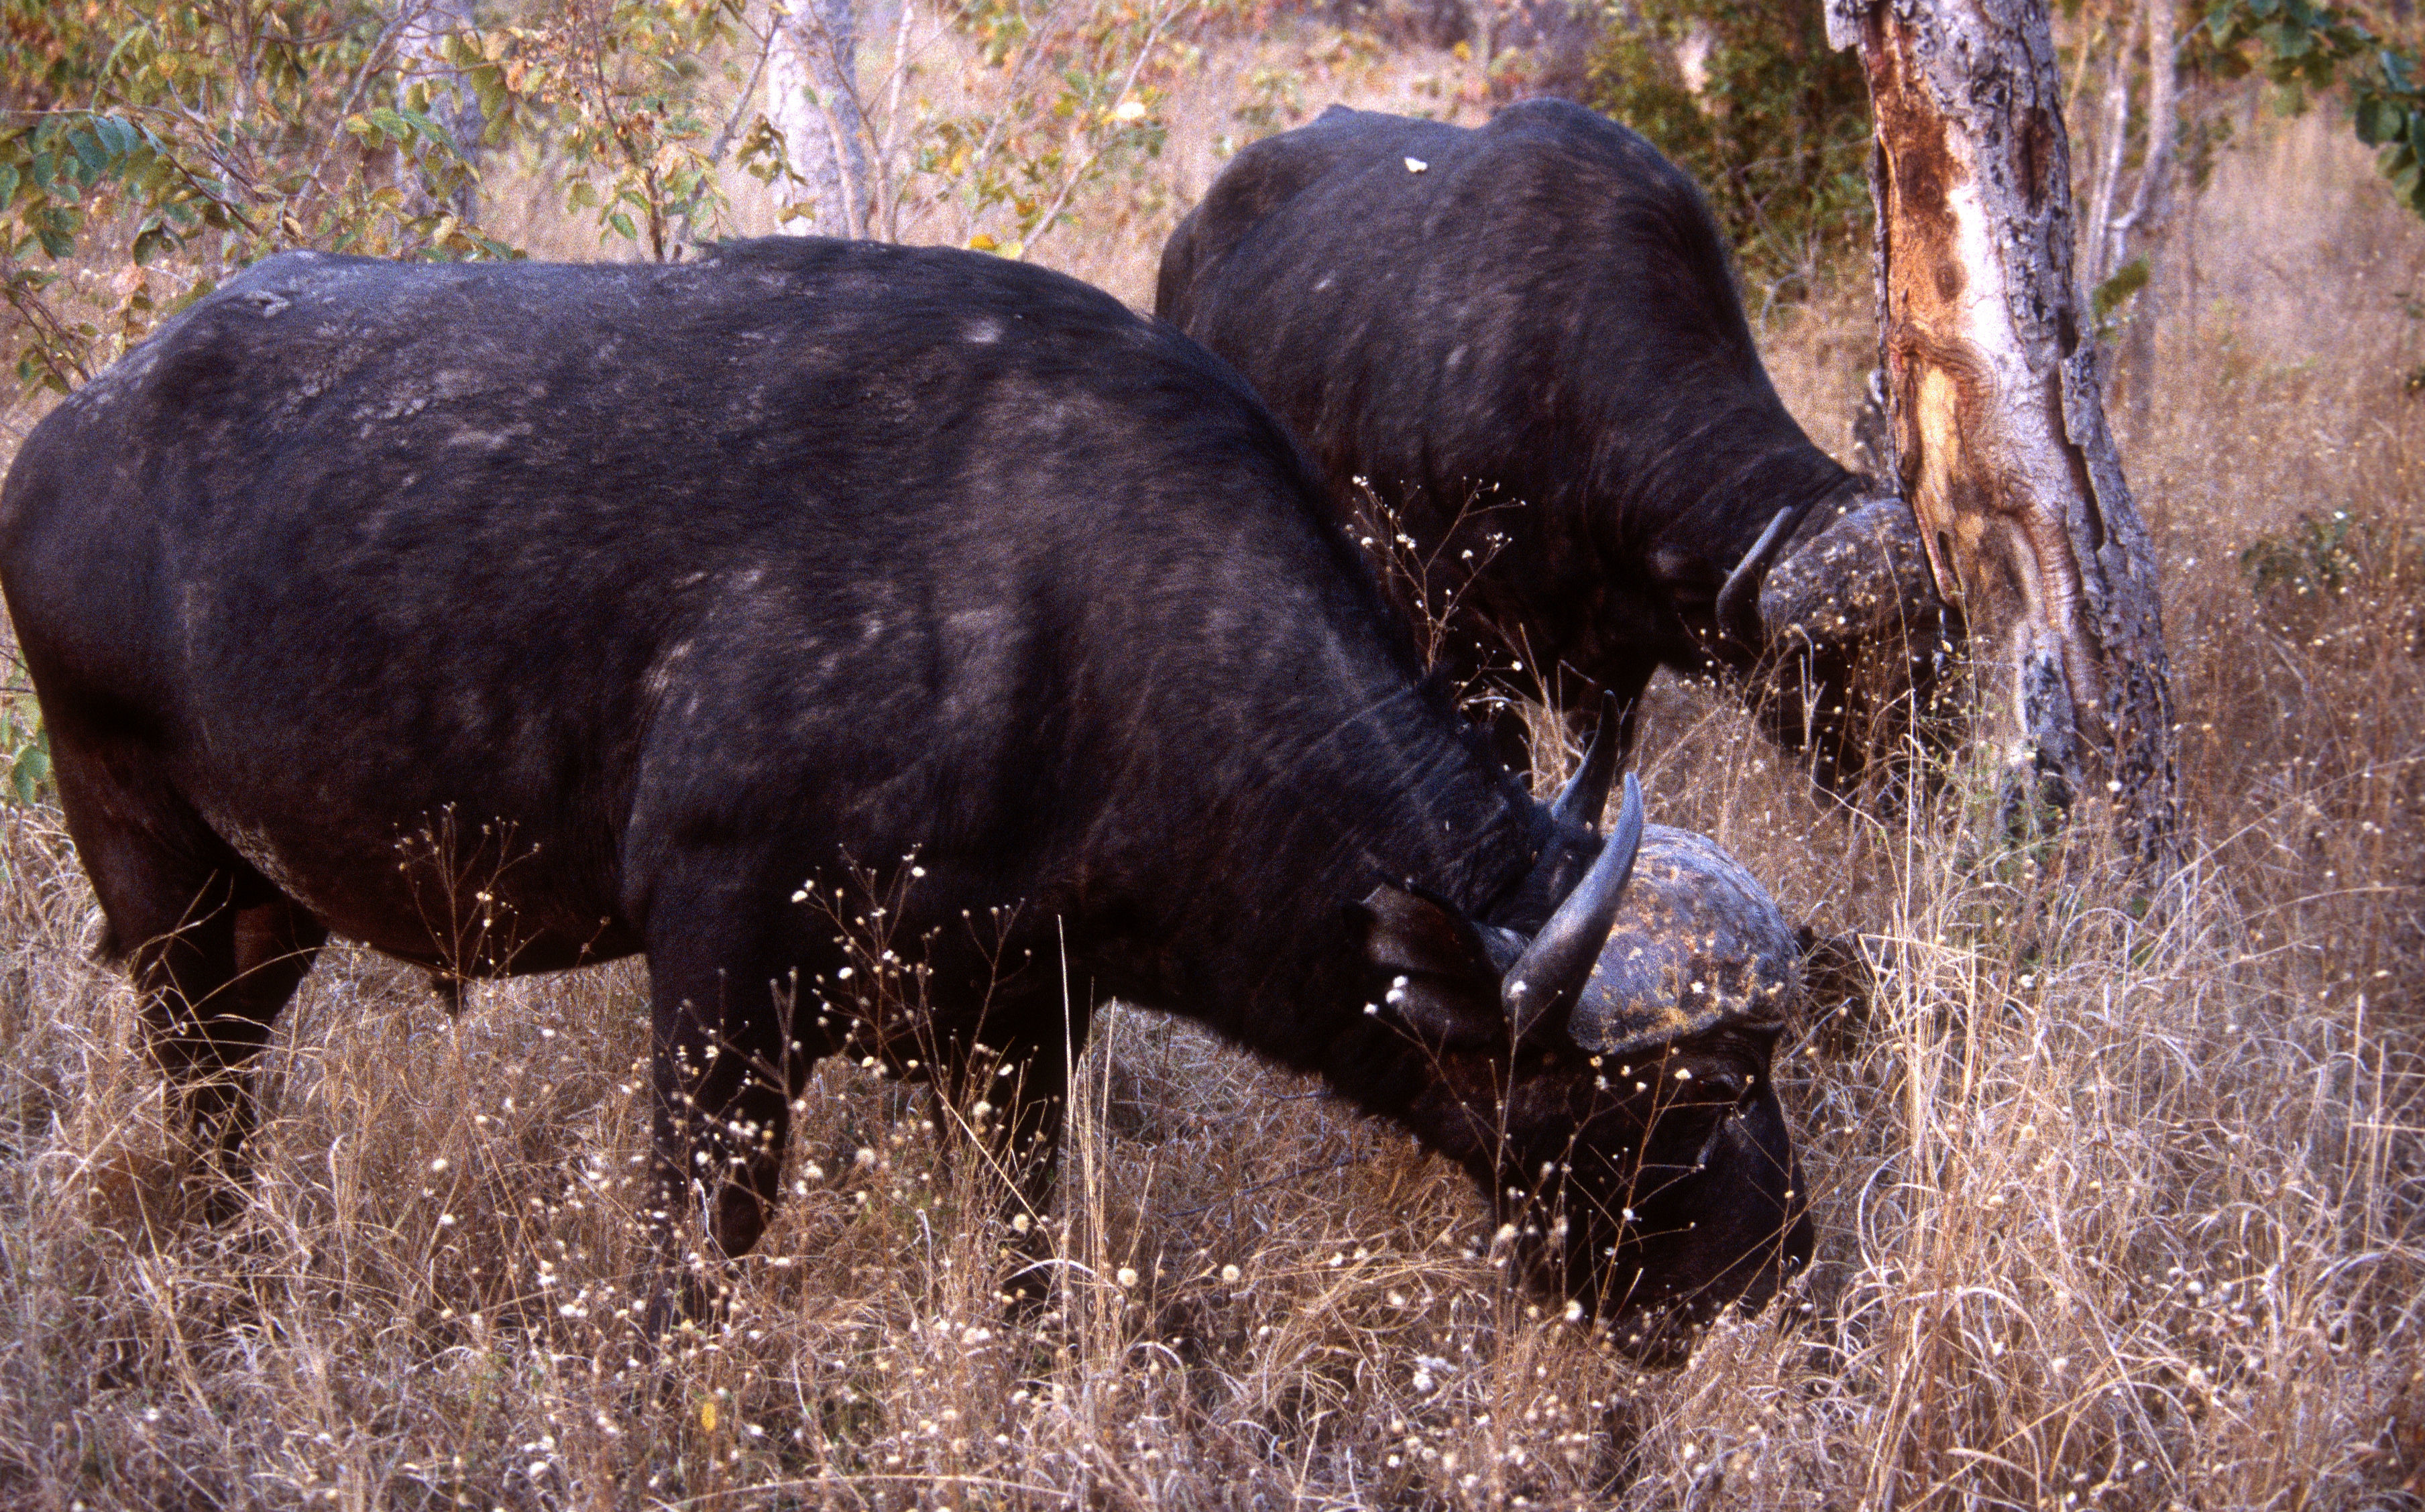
(1999, 427)
(2108, 171)
(2137, 368)
(2156, 171)
(812, 99)
(452, 103)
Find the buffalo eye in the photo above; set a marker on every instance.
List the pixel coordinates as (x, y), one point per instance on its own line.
(1727, 1086)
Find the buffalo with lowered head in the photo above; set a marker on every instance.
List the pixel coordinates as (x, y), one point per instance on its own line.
(686, 595)
(1524, 341)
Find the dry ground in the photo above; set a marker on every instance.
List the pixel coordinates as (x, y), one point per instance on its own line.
(2114, 1212)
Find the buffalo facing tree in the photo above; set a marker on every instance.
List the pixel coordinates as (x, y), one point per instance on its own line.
(1524, 342)
(678, 596)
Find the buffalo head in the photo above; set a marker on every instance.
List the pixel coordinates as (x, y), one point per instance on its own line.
(1606, 1077)
(1844, 617)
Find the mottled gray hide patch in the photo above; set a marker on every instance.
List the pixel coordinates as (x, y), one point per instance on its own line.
(1698, 944)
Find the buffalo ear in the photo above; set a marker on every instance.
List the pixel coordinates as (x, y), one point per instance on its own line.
(1438, 972)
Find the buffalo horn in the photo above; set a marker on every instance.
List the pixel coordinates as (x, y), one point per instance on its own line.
(1739, 599)
(1550, 974)
(1586, 791)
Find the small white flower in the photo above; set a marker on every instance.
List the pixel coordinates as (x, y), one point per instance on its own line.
(1416, 165)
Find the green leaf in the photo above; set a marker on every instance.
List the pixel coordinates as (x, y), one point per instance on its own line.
(119, 137)
(2286, 42)
(2399, 167)
(152, 241)
(34, 767)
(426, 128)
(622, 223)
(2379, 119)
(90, 151)
(2114, 292)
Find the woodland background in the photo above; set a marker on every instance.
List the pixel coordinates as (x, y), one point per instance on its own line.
(2115, 1209)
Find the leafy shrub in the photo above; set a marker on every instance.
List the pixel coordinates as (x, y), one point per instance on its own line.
(1772, 124)
(24, 755)
(2375, 567)
(612, 89)
(191, 139)
(2310, 560)
(2302, 45)
(1081, 81)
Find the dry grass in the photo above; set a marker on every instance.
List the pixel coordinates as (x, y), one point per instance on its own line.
(2114, 1212)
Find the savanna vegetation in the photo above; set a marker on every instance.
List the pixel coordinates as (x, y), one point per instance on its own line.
(2120, 1189)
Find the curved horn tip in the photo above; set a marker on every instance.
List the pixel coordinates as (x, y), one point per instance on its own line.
(1738, 605)
(1553, 969)
(1586, 793)
(1627, 836)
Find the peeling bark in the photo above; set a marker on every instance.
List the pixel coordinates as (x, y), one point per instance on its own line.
(1997, 425)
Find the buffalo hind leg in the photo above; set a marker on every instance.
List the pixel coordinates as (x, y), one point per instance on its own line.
(221, 986)
(215, 950)
(723, 1072)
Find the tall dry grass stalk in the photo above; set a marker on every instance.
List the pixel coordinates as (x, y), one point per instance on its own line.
(2119, 1206)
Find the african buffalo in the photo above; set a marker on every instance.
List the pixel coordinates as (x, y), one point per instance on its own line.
(683, 595)
(1524, 341)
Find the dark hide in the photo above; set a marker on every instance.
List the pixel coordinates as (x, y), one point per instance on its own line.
(512, 618)
(1525, 340)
